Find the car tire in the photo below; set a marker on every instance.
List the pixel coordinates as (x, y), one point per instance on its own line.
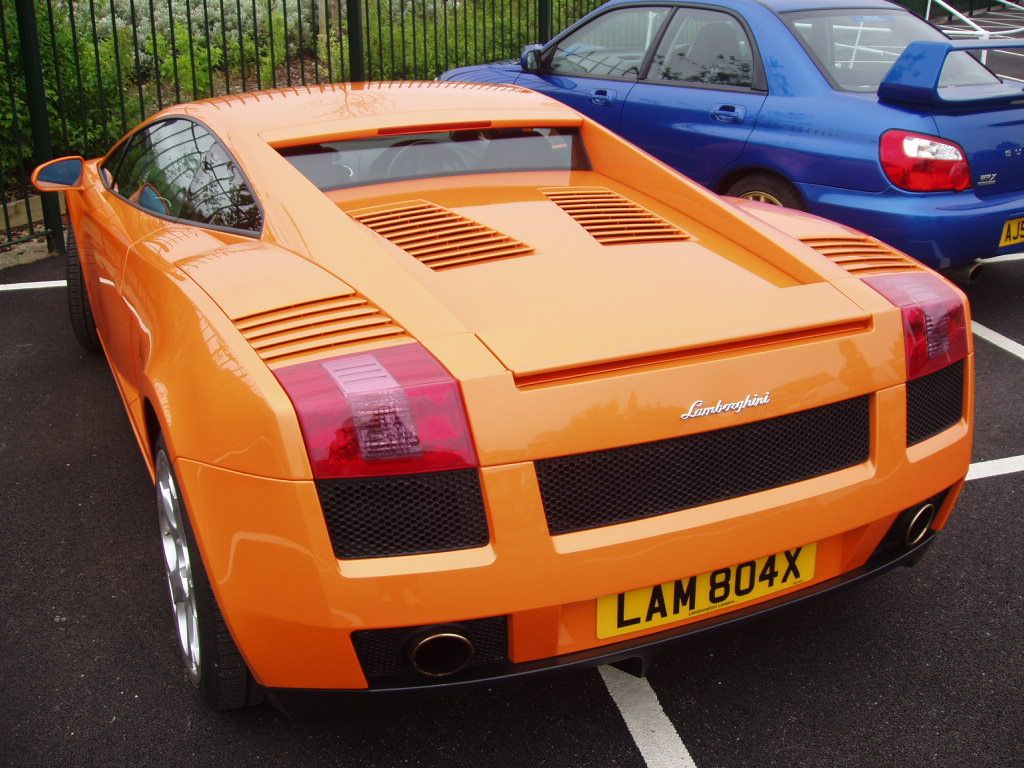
(767, 188)
(212, 660)
(82, 322)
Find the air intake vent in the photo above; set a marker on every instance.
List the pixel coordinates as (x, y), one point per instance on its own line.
(861, 256)
(590, 490)
(610, 218)
(438, 237)
(935, 402)
(290, 332)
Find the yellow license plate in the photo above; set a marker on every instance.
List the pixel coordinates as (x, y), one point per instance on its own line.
(678, 600)
(1013, 232)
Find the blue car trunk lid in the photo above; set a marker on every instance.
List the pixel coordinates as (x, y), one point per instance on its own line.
(994, 142)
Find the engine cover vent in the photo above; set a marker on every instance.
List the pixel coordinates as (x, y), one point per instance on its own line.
(288, 333)
(610, 218)
(437, 236)
(862, 256)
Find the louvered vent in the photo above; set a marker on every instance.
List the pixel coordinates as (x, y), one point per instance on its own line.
(610, 218)
(861, 256)
(437, 236)
(329, 324)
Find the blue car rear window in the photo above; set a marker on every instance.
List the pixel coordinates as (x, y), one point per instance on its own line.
(356, 162)
(856, 50)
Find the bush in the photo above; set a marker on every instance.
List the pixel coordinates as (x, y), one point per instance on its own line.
(107, 65)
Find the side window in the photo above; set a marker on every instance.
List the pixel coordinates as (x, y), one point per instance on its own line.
(219, 195)
(612, 45)
(110, 166)
(159, 163)
(176, 168)
(705, 47)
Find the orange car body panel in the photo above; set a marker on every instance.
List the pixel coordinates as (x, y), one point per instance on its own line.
(574, 347)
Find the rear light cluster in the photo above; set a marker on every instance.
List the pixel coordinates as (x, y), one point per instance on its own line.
(934, 319)
(920, 163)
(392, 411)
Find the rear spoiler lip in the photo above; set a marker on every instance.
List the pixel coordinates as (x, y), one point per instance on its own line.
(914, 77)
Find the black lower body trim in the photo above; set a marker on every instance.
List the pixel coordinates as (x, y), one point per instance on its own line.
(635, 655)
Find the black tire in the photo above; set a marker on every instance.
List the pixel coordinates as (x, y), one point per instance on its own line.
(82, 322)
(767, 188)
(221, 674)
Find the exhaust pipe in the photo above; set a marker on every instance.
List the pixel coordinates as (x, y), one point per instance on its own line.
(918, 524)
(964, 274)
(439, 652)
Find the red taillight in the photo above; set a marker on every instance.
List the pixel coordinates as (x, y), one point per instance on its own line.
(392, 411)
(934, 320)
(921, 163)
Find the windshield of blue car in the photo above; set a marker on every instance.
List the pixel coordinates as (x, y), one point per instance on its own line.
(355, 162)
(856, 49)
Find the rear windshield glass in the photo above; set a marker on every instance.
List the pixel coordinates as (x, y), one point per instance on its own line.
(341, 164)
(856, 50)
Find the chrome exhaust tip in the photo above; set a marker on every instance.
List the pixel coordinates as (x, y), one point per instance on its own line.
(964, 274)
(440, 653)
(919, 523)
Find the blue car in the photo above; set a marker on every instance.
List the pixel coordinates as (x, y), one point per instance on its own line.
(862, 113)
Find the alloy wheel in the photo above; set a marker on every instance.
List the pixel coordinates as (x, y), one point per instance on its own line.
(177, 562)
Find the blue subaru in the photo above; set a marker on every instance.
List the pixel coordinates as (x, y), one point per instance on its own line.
(862, 112)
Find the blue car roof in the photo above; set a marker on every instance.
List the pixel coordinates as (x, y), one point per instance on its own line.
(783, 6)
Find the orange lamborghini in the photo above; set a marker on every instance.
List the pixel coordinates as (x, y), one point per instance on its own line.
(443, 383)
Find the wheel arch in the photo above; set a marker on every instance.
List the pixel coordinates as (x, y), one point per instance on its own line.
(732, 176)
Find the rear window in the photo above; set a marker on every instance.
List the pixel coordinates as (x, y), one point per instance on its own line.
(342, 164)
(856, 50)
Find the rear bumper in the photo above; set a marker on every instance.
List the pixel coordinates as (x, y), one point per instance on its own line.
(635, 654)
(942, 230)
(298, 613)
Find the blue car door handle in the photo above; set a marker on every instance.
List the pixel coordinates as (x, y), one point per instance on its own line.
(729, 113)
(603, 97)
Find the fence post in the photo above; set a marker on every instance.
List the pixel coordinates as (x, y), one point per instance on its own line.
(39, 122)
(544, 13)
(356, 59)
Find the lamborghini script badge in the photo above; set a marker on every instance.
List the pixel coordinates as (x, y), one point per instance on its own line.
(698, 408)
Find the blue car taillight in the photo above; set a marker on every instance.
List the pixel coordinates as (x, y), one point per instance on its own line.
(917, 162)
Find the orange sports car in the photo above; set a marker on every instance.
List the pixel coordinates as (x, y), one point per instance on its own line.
(442, 383)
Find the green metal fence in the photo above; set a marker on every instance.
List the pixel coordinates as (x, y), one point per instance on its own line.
(101, 66)
(78, 74)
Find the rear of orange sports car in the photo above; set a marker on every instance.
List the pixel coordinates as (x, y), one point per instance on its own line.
(494, 392)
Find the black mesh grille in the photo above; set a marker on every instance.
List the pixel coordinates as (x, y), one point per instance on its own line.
(935, 402)
(404, 514)
(589, 490)
(382, 652)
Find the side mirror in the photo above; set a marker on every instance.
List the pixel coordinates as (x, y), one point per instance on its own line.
(530, 58)
(59, 175)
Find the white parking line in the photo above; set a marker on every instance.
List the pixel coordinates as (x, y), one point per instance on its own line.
(996, 467)
(32, 286)
(1004, 343)
(654, 734)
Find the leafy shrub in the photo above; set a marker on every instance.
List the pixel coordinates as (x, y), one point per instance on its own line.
(107, 64)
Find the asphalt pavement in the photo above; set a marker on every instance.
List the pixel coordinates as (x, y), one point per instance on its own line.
(921, 667)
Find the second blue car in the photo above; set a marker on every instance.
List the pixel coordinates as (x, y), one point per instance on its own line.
(862, 113)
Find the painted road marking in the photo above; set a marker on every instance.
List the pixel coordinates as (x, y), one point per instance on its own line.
(996, 467)
(32, 286)
(1003, 342)
(652, 731)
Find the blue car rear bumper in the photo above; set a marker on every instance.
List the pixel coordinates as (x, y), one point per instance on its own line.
(941, 229)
